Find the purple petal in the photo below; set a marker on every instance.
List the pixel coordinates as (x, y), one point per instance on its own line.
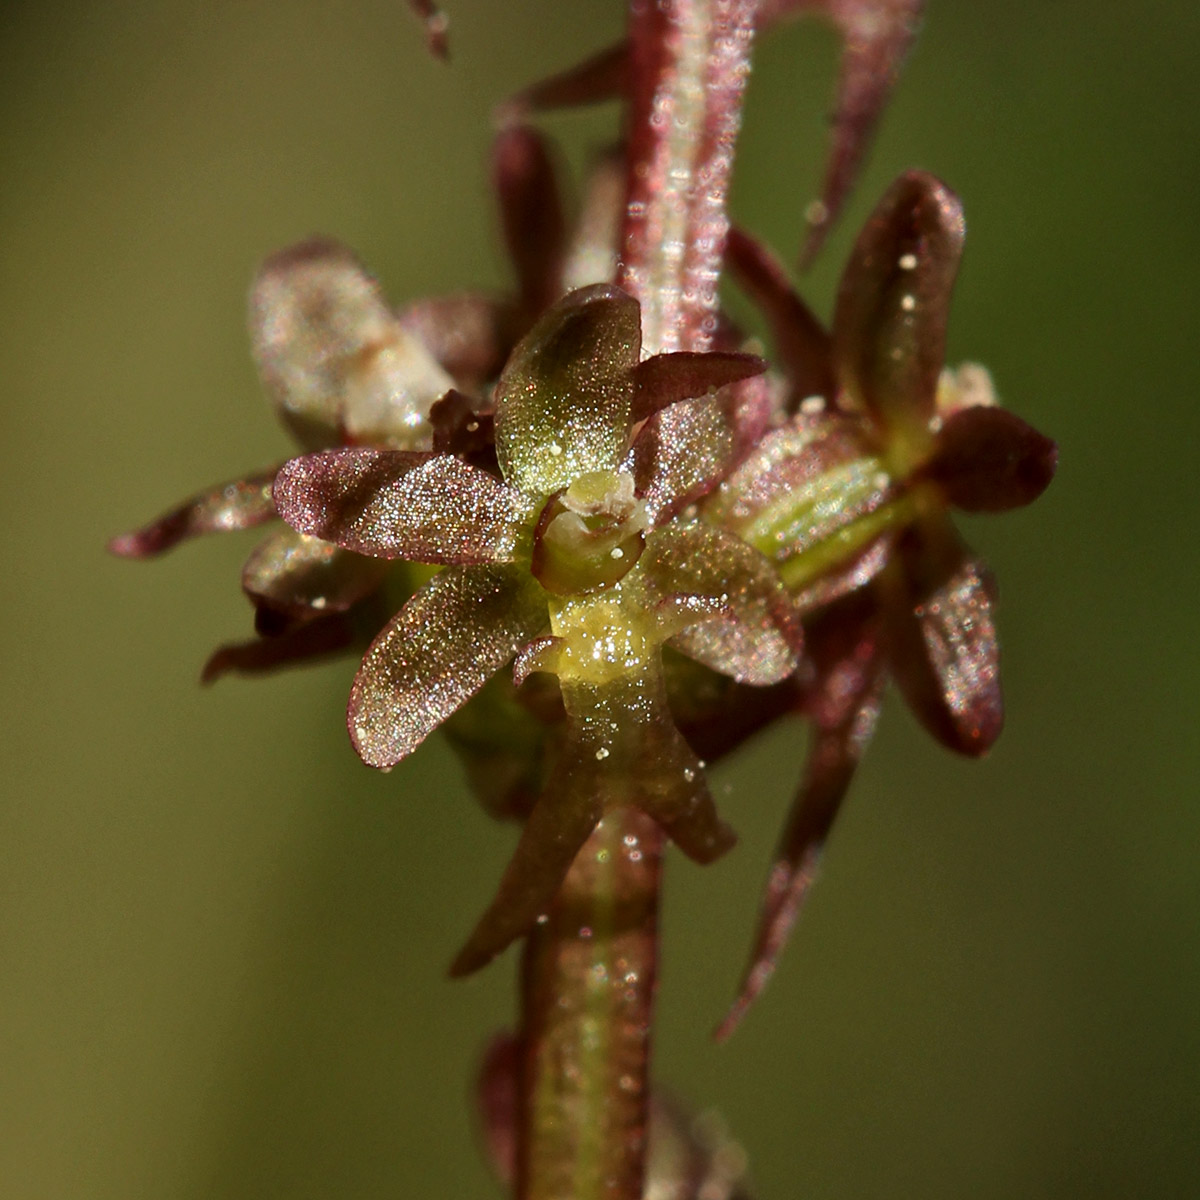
(531, 213)
(665, 379)
(436, 653)
(844, 707)
(394, 504)
(942, 644)
(684, 451)
(334, 357)
(296, 646)
(889, 328)
(989, 460)
(300, 576)
(801, 344)
(563, 402)
(757, 636)
(240, 504)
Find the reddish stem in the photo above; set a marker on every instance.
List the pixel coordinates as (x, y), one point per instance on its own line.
(590, 968)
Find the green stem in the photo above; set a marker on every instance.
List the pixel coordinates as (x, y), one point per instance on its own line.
(588, 990)
(590, 967)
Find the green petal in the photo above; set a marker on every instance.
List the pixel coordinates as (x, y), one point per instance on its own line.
(436, 653)
(563, 403)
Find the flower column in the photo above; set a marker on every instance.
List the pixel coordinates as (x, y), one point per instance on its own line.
(589, 969)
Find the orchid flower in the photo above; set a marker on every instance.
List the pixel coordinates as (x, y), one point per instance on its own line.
(851, 501)
(574, 562)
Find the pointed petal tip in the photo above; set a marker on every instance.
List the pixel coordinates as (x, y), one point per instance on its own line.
(436, 26)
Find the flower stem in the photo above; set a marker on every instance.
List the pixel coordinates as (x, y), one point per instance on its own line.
(590, 967)
(587, 994)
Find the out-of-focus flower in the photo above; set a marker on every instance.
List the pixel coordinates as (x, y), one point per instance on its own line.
(576, 563)
(851, 501)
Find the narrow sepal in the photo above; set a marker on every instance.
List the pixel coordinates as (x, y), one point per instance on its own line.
(989, 460)
(756, 637)
(296, 575)
(563, 401)
(603, 76)
(802, 346)
(239, 504)
(561, 821)
(335, 359)
(665, 379)
(295, 646)
(889, 326)
(843, 706)
(437, 652)
(942, 644)
(431, 508)
(876, 37)
(531, 213)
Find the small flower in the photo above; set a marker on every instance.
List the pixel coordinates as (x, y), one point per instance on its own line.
(575, 562)
(851, 500)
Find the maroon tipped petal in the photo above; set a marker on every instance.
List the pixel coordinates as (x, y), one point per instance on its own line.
(530, 212)
(889, 327)
(431, 508)
(942, 644)
(436, 653)
(240, 504)
(989, 460)
(801, 343)
(665, 379)
(468, 333)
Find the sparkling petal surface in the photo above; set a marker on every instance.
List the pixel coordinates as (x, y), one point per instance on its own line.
(299, 575)
(239, 504)
(843, 706)
(889, 327)
(757, 636)
(333, 356)
(683, 452)
(564, 399)
(989, 460)
(394, 504)
(436, 653)
(942, 644)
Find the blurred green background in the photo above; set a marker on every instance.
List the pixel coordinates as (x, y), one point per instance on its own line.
(223, 940)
